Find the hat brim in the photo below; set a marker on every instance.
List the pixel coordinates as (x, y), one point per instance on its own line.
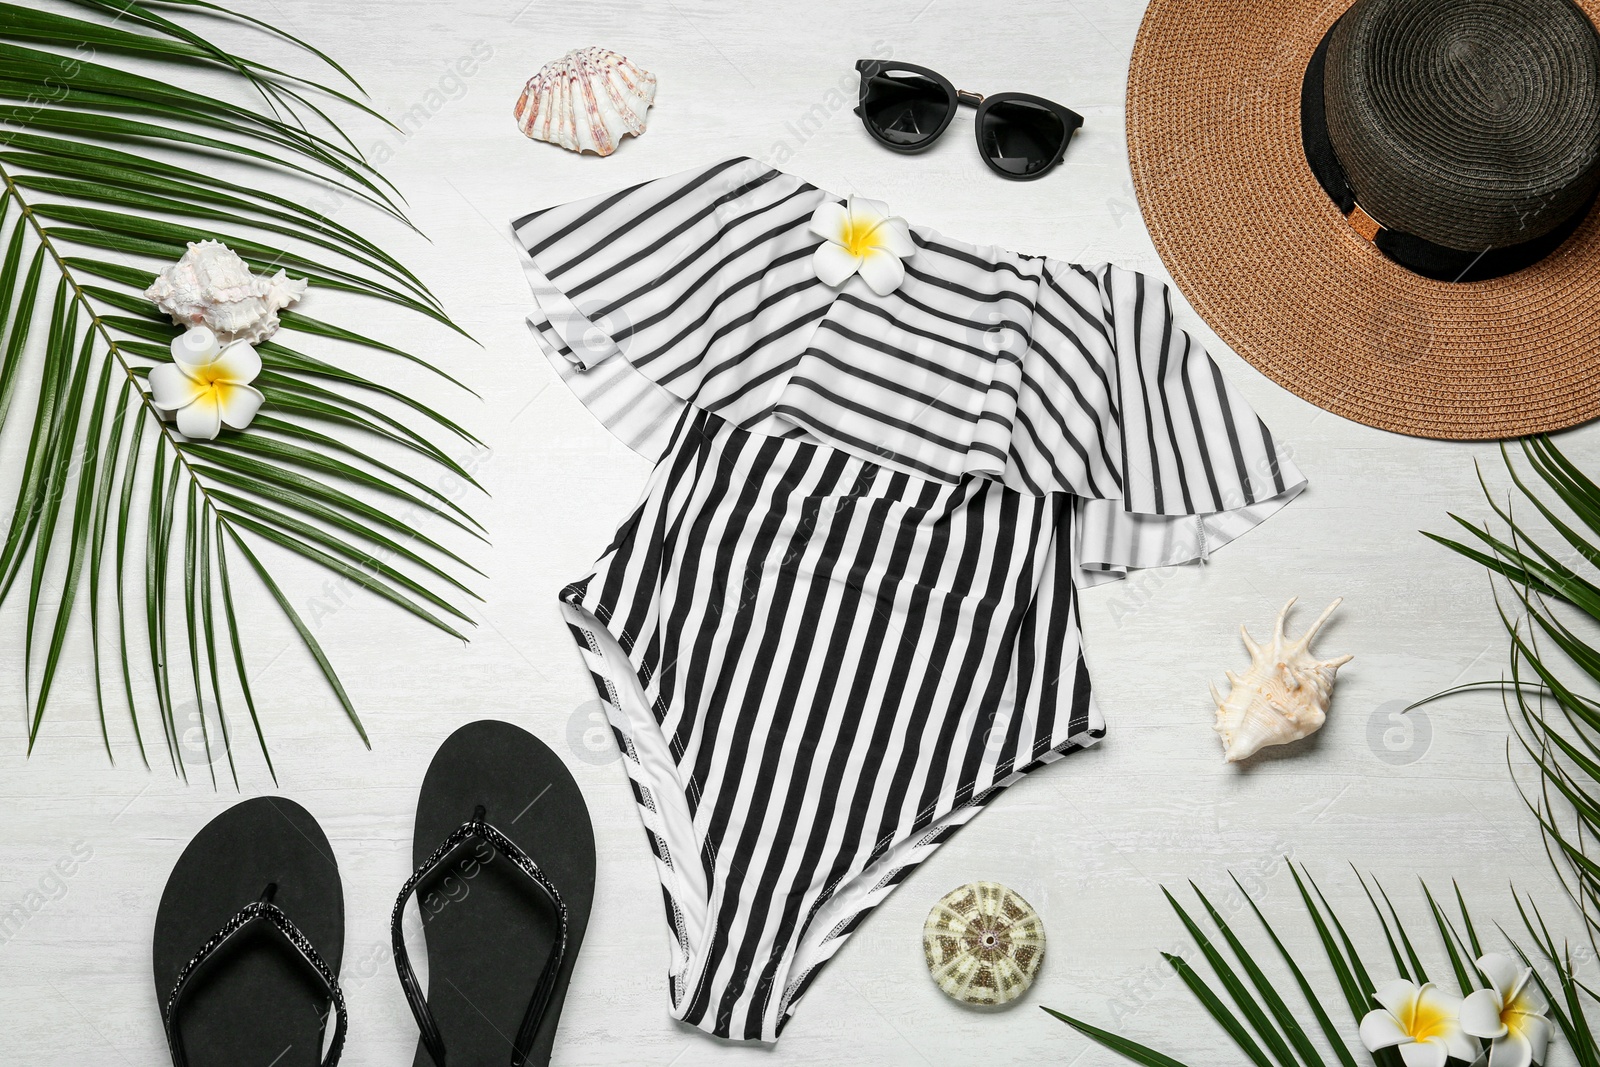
(1272, 266)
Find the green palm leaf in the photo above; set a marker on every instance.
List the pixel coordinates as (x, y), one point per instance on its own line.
(1141, 1054)
(1553, 630)
(1264, 1022)
(112, 512)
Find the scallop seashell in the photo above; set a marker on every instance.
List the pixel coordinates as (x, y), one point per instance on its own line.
(586, 101)
(983, 943)
(1282, 697)
(211, 286)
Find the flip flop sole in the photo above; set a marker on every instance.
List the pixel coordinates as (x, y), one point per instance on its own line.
(254, 1003)
(488, 929)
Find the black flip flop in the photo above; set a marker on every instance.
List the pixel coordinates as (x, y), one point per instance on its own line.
(505, 878)
(248, 940)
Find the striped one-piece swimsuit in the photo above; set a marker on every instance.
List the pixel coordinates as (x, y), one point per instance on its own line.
(844, 616)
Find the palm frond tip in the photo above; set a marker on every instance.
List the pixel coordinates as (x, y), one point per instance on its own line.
(108, 167)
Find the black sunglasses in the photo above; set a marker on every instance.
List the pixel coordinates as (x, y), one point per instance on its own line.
(906, 107)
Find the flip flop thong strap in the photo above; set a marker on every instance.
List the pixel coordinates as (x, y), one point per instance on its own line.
(259, 911)
(432, 1040)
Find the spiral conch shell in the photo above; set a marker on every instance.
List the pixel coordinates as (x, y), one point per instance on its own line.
(1282, 697)
(212, 287)
(983, 943)
(586, 101)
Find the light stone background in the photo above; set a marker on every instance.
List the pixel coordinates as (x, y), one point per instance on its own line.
(1088, 841)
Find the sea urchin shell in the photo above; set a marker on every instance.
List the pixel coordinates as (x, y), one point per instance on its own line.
(983, 943)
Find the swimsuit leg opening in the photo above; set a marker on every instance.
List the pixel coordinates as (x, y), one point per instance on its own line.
(658, 795)
(853, 900)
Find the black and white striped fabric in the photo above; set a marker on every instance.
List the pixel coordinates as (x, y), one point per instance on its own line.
(844, 614)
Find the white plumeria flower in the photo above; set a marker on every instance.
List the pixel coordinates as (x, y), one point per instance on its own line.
(207, 386)
(861, 237)
(1510, 1013)
(1422, 1020)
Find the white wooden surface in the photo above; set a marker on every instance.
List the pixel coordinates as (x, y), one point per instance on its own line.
(1088, 841)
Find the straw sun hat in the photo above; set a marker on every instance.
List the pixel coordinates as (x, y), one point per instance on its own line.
(1385, 205)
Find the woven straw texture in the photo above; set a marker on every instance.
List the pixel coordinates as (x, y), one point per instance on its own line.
(1472, 123)
(1267, 260)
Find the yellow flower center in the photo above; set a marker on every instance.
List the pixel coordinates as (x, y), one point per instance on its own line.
(1427, 1020)
(1514, 1014)
(208, 375)
(857, 236)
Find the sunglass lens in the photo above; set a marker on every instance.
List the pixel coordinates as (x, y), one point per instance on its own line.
(905, 109)
(1021, 138)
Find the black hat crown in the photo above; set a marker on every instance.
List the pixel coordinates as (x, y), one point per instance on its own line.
(1471, 124)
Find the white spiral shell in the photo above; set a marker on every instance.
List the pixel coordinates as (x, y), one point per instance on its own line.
(1282, 697)
(212, 287)
(983, 943)
(586, 101)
